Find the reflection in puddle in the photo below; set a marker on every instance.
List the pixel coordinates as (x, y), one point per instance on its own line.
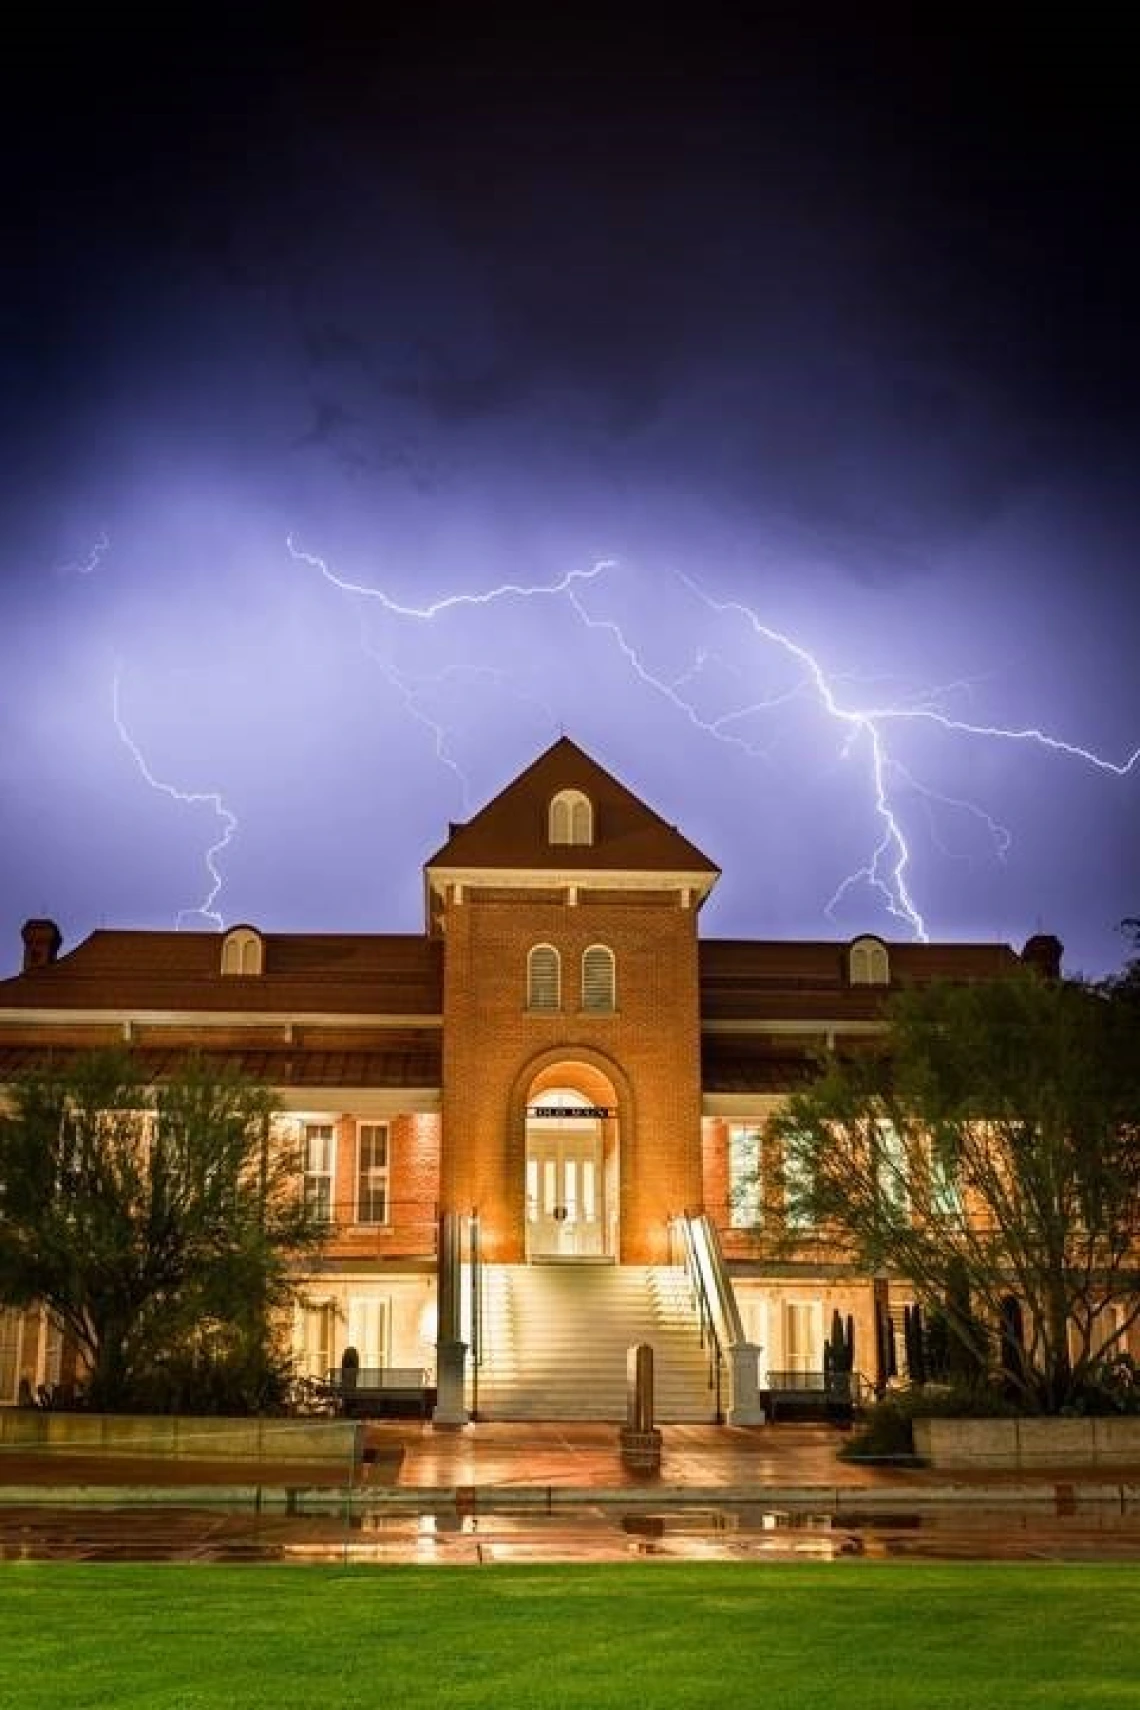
(729, 1532)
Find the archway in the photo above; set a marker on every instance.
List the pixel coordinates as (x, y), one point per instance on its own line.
(571, 1185)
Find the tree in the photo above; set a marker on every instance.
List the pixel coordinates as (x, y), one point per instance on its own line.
(989, 1152)
(150, 1217)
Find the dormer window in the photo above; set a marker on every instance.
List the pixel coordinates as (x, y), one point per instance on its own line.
(571, 818)
(243, 951)
(868, 963)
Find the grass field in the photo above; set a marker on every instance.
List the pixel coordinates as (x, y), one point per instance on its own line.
(642, 1637)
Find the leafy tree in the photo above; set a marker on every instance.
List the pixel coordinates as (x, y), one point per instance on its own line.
(155, 1219)
(990, 1153)
(1125, 986)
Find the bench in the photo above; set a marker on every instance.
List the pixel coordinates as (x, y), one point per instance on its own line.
(809, 1395)
(379, 1392)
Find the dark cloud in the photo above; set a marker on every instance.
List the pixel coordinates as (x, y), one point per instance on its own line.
(834, 315)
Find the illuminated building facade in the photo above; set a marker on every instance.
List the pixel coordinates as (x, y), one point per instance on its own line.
(535, 1128)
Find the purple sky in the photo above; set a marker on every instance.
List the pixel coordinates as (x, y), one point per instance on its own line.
(806, 347)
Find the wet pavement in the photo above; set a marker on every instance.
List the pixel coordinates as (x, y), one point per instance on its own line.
(498, 1493)
(706, 1531)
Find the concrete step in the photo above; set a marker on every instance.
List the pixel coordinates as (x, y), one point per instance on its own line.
(556, 1339)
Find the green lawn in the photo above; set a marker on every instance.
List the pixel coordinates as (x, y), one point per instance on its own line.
(177, 1637)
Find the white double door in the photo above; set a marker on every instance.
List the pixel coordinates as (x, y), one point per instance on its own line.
(564, 1190)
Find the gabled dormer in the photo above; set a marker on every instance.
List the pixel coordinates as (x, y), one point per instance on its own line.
(566, 824)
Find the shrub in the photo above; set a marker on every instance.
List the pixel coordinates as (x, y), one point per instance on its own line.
(885, 1433)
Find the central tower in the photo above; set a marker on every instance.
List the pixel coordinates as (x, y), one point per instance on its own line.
(571, 1033)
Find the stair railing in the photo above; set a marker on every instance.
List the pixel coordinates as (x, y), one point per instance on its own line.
(475, 1283)
(694, 1245)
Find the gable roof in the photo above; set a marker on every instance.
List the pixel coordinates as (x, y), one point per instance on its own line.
(511, 832)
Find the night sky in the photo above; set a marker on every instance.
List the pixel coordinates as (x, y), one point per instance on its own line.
(783, 382)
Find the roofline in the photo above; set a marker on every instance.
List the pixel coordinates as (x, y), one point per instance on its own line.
(809, 1024)
(215, 1018)
(581, 878)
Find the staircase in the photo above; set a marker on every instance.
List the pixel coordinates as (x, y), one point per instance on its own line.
(555, 1339)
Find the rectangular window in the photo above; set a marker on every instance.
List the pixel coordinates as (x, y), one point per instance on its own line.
(317, 1336)
(891, 1168)
(803, 1336)
(318, 1147)
(11, 1330)
(368, 1316)
(372, 1172)
(945, 1192)
(745, 1182)
(797, 1183)
(52, 1350)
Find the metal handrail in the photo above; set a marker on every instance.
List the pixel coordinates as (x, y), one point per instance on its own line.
(475, 1249)
(705, 1317)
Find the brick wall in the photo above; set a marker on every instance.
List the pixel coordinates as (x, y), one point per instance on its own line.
(648, 1049)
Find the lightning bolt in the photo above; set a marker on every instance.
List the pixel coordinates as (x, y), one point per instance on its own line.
(864, 729)
(886, 869)
(450, 602)
(414, 692)
(91, 563)
(190, 798)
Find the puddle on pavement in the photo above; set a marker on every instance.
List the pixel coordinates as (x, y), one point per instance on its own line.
(600, 1533)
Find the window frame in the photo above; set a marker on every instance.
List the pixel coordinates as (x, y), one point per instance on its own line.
(796, 1173)
(745, 1142)
(243, 953)
(892, 1169)
(324, 1200)
(380, 1175)
(609, 1007)
(868, 962)
(533, 989)
(570, 819)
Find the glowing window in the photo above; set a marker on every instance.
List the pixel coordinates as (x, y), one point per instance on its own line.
(571, 818)
(868, 964)
(242, 951)
(892, 1169)
(543, 978)
(372, 1172)
(745, 1184)
(318, 1151)
(598, 979)
(799, 1178)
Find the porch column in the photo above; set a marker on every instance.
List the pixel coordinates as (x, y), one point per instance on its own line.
(451, 1350)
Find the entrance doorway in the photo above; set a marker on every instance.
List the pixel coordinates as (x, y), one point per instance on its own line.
(570, 1181)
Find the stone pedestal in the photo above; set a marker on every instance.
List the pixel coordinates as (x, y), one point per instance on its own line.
(641, 1450)
(744, 1385)
(640, 1440)
(450, 1410)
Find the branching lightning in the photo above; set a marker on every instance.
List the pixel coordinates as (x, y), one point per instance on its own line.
(414, 692)
(864, 730)
(450, 602)
(191, 798)
(887, 868)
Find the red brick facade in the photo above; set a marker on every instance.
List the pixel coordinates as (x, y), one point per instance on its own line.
(437, 1038)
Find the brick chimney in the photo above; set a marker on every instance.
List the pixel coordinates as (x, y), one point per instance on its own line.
(42, 939)
(1043, 953)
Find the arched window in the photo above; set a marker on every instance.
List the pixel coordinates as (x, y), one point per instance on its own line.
(571, 818)
(543, 978)
(242, 951)
(598, 979)
(867, 963)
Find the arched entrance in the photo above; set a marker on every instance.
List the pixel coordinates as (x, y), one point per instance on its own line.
(571, 1185)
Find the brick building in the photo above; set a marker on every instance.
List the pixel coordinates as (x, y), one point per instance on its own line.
(536, 1127)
